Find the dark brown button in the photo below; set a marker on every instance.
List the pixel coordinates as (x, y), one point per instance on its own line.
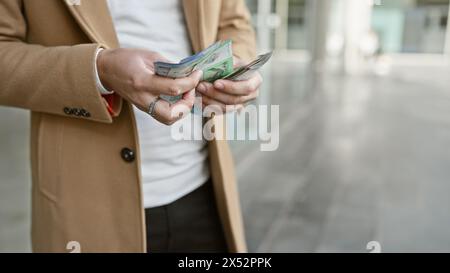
(68, 111)
(128, 155)
(85, 113)
(76, 112)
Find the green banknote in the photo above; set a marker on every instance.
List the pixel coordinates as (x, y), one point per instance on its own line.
(216, 62)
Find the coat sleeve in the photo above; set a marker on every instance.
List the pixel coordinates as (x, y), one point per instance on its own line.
(54, 80)
(235, 24)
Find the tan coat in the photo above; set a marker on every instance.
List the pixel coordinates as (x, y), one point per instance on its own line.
(82, 189)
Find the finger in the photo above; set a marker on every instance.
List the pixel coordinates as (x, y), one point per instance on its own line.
(214, 104)
(225, 98)
(170, 113)
(242, 88)
(187, 102)
(173, 87)
(164, 114)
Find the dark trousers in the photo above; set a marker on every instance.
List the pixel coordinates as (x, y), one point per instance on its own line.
(190, 224)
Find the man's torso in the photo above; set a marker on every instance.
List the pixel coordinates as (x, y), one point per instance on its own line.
(170, 168)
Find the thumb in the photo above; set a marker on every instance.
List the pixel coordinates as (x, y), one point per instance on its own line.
(156, 57)
(197, 76)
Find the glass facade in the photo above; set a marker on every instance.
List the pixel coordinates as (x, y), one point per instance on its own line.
(286, 22)
(402, 26)
(411, 26)
(297, 27)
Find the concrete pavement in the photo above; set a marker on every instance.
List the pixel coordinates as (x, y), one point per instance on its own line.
(361, 158)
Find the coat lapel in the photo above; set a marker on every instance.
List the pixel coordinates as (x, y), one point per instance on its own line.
(193, 12)
(94, 18)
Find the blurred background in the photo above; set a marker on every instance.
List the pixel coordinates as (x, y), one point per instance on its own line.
(364, 94)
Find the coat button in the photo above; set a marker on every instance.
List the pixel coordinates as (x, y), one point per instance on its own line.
(85, 113)
(68, 111)
(76, 112)
(128, 155)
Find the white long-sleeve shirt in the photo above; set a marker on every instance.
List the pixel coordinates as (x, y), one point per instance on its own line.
(170, 169)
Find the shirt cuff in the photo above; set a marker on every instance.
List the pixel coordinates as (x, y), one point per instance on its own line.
(100, 86)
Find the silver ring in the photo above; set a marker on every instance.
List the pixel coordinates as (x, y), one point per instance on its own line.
(152, 107)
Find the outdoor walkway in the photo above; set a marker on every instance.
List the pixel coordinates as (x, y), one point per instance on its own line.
(360, 159)
(368, 159)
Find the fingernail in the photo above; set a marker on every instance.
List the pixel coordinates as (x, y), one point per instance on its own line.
(201, 88)
(219, 85)
(199, 73)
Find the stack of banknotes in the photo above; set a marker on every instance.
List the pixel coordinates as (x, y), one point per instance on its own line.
(216, 62)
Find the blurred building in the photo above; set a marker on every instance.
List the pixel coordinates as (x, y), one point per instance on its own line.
(352, 29)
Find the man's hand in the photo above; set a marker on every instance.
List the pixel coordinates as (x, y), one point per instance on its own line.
(131, 74)
(230, 95)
